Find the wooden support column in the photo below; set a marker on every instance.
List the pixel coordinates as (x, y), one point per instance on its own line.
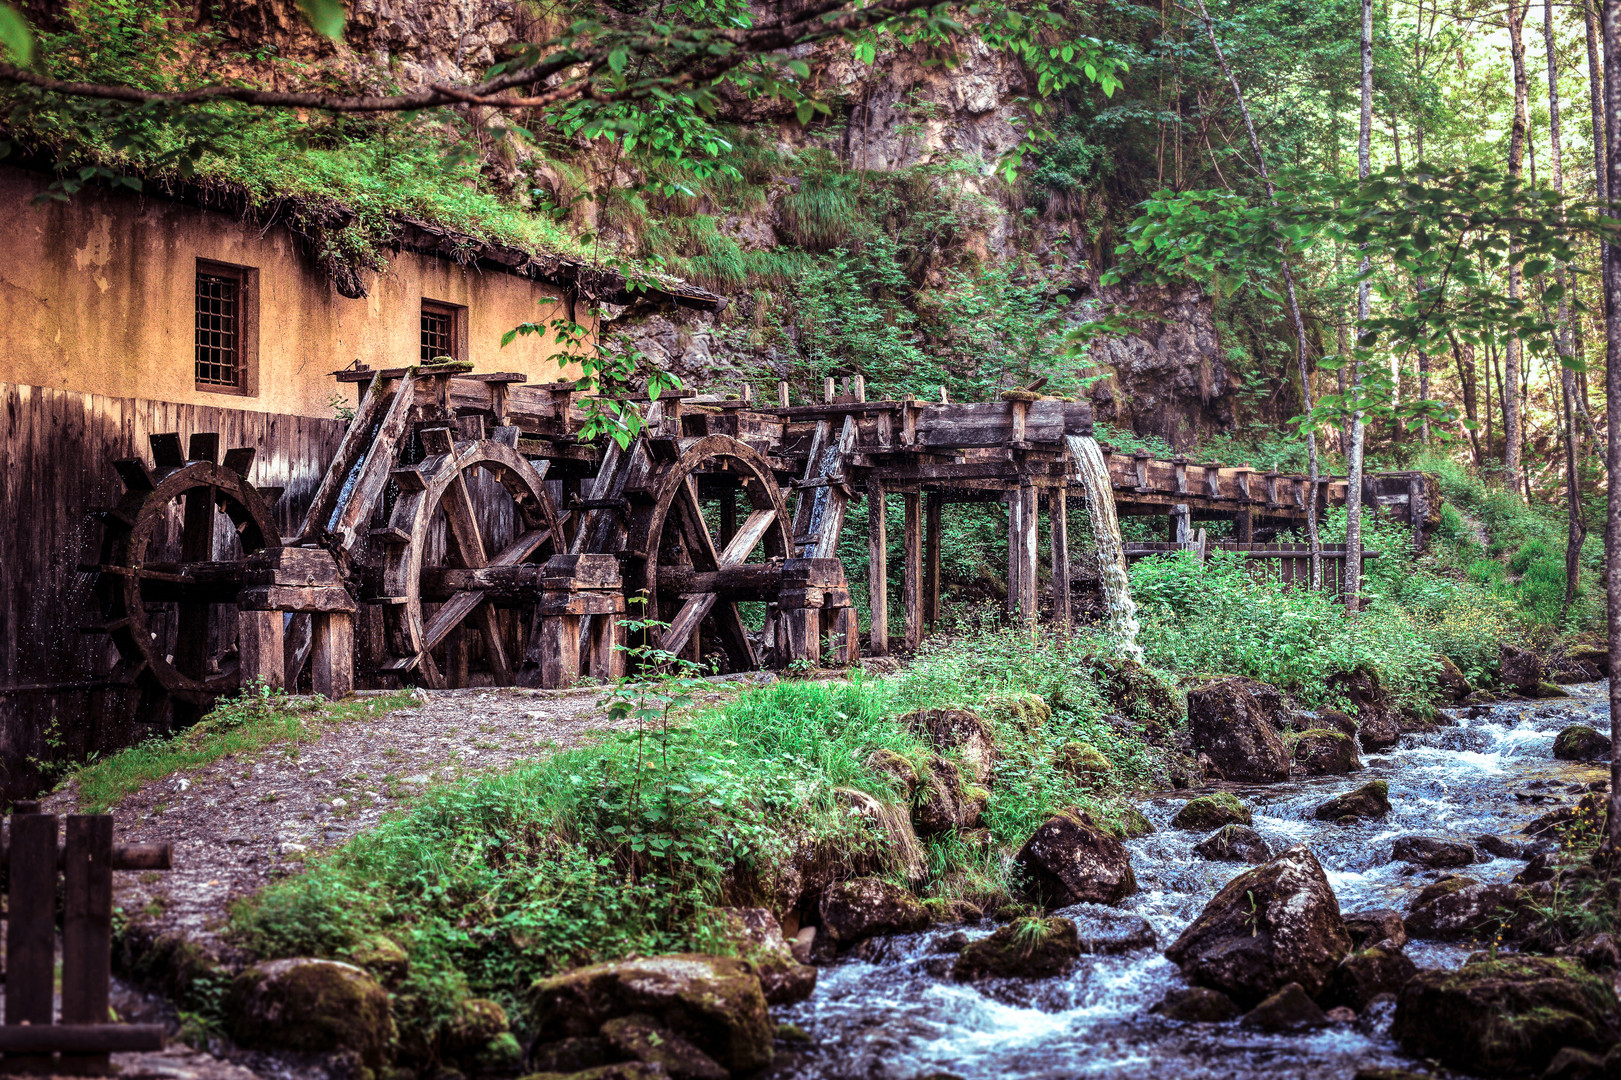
(87, 930)
(1058, 529)
(931, 558)
(559, 651)
(332, 655)
(1244, 527)
(1181, 522)
(912, 587)
(31, 927)
(260, 647)
(1015, 566)
(877, 569)
(1029, 608)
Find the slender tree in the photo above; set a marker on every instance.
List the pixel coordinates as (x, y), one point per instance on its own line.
(1294, 301)
(1595, 91)
(1353, 491)
(1576, 528)
(1612, 410)
(1516, 157)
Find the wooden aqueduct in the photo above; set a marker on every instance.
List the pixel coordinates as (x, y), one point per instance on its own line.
(465, 534)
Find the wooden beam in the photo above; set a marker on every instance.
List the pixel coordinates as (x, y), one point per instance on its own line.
(912, 584)
(877, 569)
(1058, 526)
(931, 559)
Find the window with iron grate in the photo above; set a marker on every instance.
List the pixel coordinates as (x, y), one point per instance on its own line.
(442, 331)
(219, 330)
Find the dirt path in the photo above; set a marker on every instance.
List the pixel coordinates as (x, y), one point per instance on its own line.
(239, 823)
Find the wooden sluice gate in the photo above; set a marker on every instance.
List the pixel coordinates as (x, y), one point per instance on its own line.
(466, 533)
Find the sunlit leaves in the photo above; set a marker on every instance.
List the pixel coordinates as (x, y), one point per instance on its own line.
(325, 16)
(15, 37)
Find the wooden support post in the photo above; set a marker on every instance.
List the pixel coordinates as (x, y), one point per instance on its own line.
(827, 390)
(31, 928)
(1015, 507)
(87, 929)
(1181, 523)
(877, 569)
(858, 387)
(332, 655)
(1028, 605)
(1058, 527)
(261, 649)
(912, 585)
(931, 558)
(559, 651)
(801, 633)
(1244, 526)
(607, 646)
(845, 631)
(782, 395)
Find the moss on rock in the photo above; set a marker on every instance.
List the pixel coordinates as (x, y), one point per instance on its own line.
(1205, 812)
(1029, 948)
(311, 1006)
(1084, 762)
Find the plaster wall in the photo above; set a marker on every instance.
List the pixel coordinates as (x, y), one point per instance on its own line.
(97, 295)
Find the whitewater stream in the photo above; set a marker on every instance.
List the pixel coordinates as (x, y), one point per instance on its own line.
(904, 1018)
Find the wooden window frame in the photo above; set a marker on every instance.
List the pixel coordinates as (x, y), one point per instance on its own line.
(247, 317)
(457, 314)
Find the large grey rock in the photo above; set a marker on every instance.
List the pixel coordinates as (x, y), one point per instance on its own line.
(1459, 908)
(962, 731)
(1321, 752)
(1234, 722)
(1275, 924)
(1070, 860)
(1432, 851)
(1362, 976)
(852, 910)
(1371, 800)
(1234, 843)
(311, 1006)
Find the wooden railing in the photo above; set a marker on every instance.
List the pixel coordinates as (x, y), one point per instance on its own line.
(1288, 563)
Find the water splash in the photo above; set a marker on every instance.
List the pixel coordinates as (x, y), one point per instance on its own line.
(1093, 472)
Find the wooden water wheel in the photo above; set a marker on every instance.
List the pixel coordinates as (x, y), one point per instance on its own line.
(451, 570)
(169, 570)
(673, 558)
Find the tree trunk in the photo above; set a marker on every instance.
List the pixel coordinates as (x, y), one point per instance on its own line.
(1294, 304)
(1467, 380)
(1353, 492)
(1576, 528)
(1612, 409)
(1595, 90)
(1516, 158)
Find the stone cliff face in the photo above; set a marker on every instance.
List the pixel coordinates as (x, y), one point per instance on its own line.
(907, 109)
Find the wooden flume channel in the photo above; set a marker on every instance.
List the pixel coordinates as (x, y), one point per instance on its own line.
(465, 533)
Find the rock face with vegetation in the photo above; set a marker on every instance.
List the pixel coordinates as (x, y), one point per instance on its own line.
(1235, 722)
(1378, 722)
(713, 1002)
(1070, 860)
(1507, 1016)
(962, 731)
(311, 1006)
(1206, 812)
(1275, 924)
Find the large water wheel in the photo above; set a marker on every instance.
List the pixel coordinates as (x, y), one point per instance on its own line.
(169, 569)
(459, 574)
(673, 558)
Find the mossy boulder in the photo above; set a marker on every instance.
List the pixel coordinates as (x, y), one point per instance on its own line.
(1271, 925)
(1028, 948)
(472, 1025)
(1506, 1016)
(1196, 1005)
(1234, 723)
(1451, 681)
(944, 800)
(895, 769)
(1070, 860)
(1578, 742)
(1205, 812)
(865, 907)
(1371, 800)
(758, 938)
(1138, 694)
(1460, 908)
(1234, 843)
(1378, 721)
(640, 1037)
(1324, 752)
(964, 732)
(1365, 974)
(1084, 762)
(1376, 925)
(1133, 823)
(1519, 668)
(1027, 712)
(714, 1002)
(383, 957)
(311, 1006)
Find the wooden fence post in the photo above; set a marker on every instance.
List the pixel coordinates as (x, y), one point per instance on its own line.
(87, 929)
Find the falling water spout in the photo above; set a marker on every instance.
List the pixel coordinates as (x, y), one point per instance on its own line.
(1093, 471)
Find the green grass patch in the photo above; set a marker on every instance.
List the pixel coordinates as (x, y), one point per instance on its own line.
(247, 724)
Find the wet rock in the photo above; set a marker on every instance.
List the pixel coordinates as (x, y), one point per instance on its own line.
(1371, 800)
(962, 731)
(1519, 668)
(472, 1025)
(1332, 719)
(1546, 690)
(1321, 752)
(715, 1002)
(1540, 867)
(383, 957)
(1364, 975)
(1196, 1005)
(1383, 1073)
(1234, 843)
(619, 1070)
(1378, 721)
(1133, 823)
(852, 910)
(1069, 860)
(1500, 847)
(1290, 1009)
(1456, 908)
(1432, 852)
(1234, 722)
(1083, 761)
(642, 1038)
(567, 1055)
(943, 802)
(311, 1006)
(1508, 1015)
(1138, 694)
(1207, 812)
(953, 942)
(1451, 681)
(1027, 948)
(1107, 932)
(1598, 952)
(1590, 811)
(1272, 925)
(1339, 1015)
(1573, 1064)
(1578, 742)
(784, 979)
(895, 769)
(1374, 926)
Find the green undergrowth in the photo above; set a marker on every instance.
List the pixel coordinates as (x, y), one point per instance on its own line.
(245, 725)
(629, 846)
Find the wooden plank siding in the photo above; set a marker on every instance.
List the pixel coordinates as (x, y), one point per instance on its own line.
(56, 453)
